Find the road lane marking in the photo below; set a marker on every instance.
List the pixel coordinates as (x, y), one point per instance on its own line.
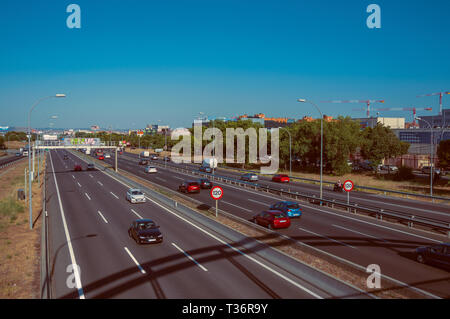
(100, 183)
(257, 202)
(79, 184)
(179, 177)
(161, 179)
(336, 241)
(114, 195)
(87, 196)
(91, 176)
(68, 239)
(73, 177)
(228, 203)
(135, 261)
(136, 213)
(357, 232)
(102, 216)
(190, 257)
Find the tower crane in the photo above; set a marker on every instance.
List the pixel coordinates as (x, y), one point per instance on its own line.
(367, 102)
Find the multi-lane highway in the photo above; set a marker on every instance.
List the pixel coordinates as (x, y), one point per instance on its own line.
(88, 219)
(357, 239)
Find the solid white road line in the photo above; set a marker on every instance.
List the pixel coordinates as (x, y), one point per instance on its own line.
(257, 202)
(114, 195)
(161, 179)
(69, 241)
(228, 203)
(178, 178)
(135, 261)
(336, 241)
(190, 257)
(136, 214)
(87, 196)
(357, 232)
(102, 216)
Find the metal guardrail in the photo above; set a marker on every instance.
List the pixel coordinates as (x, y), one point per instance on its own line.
(384, 191)
(410, 219)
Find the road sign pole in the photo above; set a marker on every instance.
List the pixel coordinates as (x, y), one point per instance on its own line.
(217, 208)
(348, 198)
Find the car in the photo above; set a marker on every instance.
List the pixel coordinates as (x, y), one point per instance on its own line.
(145, 231)
(154, 157)
(438, 255)
(189, 187)
(390, 168)
(205, 169)
(101, 157)
(143, 161)
(120, 152)
(18, 154)
(280, 178)
(66, 156)
(107, 155)
(90, 167)
(135, 195)
(273, 219)
(150, 169)
(291, 209)
(77, 167)
(166, 159)
(426, 169)
(249, 177)
(205, 183)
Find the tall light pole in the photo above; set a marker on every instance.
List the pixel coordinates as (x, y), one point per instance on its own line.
(321, 143)
(290, 152)
(431, 153)
(29, 153)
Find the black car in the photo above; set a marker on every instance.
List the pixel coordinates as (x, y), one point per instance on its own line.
(66, 156)
(205, 169)
(90, 167)
(205, 183)
(145, 231)
(143, 162)
(438, 255)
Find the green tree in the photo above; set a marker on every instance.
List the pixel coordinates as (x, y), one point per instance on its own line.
(381, 143)
(2, 143)
(443, 153)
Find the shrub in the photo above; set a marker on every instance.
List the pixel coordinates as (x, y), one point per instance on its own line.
(404, 173)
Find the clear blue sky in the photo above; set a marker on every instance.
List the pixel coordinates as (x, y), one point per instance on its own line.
(136, 62)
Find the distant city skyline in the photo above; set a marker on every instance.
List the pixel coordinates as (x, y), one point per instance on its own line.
(136, 63)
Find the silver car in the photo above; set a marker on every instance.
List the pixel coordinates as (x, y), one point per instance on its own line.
(249, 177)
(135, 195)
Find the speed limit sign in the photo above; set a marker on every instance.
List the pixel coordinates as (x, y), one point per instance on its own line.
(348, 186)
(216, 192)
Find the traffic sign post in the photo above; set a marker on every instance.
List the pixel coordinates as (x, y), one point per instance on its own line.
(348, 187)
(216, 194)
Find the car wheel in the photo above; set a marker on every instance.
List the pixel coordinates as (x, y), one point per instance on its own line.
(420, 258)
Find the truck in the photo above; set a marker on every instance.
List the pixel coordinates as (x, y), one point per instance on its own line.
(88, 151)
(210, 162)
(145, 154)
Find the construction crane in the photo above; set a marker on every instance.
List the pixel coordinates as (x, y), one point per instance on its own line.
(413, 109)
(367, 102)
(440, 98)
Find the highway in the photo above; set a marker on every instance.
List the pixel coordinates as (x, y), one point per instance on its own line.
(88, 219)
(357, 239)
(377, 201)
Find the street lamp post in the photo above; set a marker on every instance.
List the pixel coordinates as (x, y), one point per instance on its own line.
(431, 153)
(290, 152)
(321, 143)
(30, 195)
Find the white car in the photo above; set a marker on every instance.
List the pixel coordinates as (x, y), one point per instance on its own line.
(150, 169)
(135, 195)
(107, 155)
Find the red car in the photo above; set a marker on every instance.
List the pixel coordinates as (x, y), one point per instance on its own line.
(77, 167)
(101, 157)
(280, 178)
(272, 219)
(189, 187)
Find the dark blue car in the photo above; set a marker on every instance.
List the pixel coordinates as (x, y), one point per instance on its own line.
(438, 255)
(291, 209)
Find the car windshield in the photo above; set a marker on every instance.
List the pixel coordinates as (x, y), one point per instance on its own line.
(146, 225)
(136, 193)
(278, 215)
(293, 206)
(193, 184)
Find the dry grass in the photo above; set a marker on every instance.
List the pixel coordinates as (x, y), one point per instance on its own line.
(14, 144)
(19, 246)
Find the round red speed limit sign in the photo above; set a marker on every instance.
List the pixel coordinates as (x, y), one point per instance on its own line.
(216, 192)
(348, 186)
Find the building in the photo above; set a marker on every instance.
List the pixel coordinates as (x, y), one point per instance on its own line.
(392, 122)
(326, 118)
(268, 122)
(437, 121)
